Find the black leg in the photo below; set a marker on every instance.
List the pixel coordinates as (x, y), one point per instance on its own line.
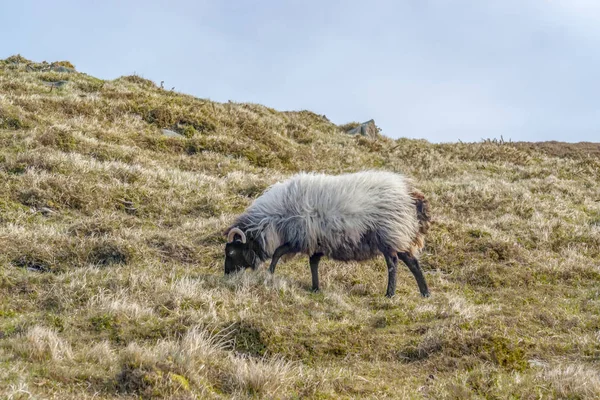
(413, 264)
(392, 262)
(281, 250)
(314, 270)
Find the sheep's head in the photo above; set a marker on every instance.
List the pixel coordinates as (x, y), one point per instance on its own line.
(239, 252)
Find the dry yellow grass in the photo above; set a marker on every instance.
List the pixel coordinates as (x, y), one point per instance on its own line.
(111, 280)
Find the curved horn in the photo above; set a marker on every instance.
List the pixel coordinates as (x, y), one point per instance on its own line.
(232, 234)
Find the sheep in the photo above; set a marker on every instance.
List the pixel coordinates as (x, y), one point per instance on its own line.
(348, 217)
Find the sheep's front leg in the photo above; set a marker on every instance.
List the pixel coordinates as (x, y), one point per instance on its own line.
(314, 270)
(279, 252)
(392, 266)
(413, 264)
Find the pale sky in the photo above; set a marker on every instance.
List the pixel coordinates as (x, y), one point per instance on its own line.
(438, 70)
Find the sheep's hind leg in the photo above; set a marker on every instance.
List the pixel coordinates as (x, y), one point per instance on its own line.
(279, 252)
(392, 263)
(314, 270)
(413, 264)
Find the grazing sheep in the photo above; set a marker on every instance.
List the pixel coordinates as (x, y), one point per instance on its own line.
(345, 217)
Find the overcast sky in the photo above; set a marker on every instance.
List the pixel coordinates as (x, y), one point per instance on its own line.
(439, 70)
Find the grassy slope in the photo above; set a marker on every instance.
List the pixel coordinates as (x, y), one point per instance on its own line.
(111, 258)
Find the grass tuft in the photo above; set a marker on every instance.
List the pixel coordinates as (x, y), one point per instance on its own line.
(41, 344)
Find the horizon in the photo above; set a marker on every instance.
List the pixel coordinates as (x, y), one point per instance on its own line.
(523, 71)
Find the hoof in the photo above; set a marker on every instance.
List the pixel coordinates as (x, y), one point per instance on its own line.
(426, 294)
(390, 295)
(313, 290)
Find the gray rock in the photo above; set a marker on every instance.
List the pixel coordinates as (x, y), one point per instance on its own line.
(46, 211)
(537, 363)
(56, 84)
(60, 68)
(365, 129)
(170, 133)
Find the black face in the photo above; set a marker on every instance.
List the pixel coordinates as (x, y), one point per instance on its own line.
(238, 257)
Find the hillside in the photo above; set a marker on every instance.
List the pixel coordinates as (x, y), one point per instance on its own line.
(111, 257)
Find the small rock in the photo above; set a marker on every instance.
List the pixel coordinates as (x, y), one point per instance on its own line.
(537, 363)
(170, 133)
(46, 211)
(365, 129)
(57, 84)
(60, 68)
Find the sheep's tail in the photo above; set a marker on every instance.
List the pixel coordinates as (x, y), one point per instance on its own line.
(424, 218)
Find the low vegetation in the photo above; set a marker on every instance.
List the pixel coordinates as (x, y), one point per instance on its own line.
(111, 257)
